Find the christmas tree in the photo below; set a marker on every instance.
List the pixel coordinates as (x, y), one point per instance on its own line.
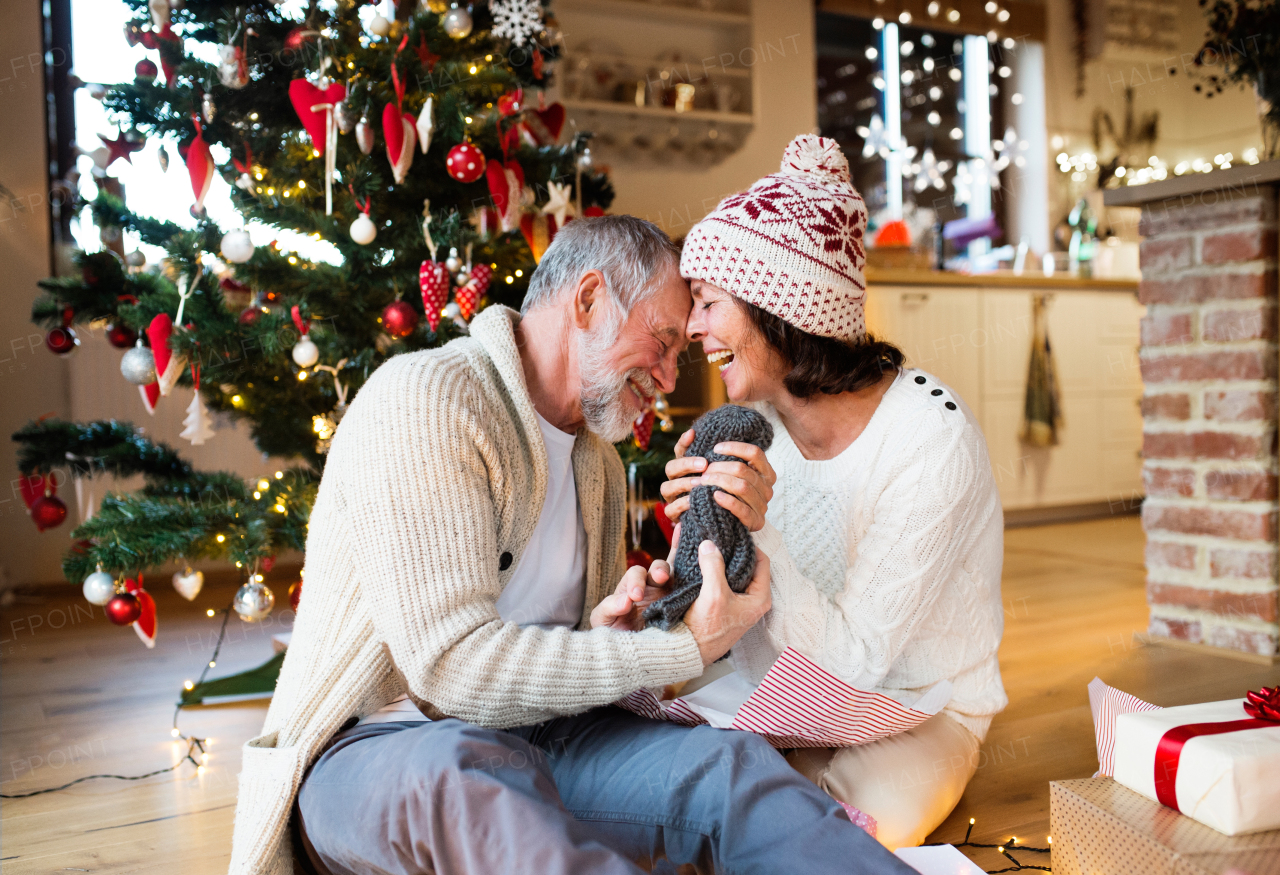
(416, 144)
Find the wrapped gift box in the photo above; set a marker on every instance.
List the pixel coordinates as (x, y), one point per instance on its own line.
(1213, 762)
(1098, 827)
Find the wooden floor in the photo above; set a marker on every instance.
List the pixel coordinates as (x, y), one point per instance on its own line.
(80, 696)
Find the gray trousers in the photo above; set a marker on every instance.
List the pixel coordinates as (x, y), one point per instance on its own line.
(601, 792)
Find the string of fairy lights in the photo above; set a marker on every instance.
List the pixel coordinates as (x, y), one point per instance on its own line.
(1005, 850)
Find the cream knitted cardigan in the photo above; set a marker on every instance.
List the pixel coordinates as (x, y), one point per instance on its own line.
(436, 472)
(886, 559)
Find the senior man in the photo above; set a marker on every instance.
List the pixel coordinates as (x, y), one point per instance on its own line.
(444, 703)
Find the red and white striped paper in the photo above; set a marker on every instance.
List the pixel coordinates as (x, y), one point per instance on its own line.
(799, 704)
(1108, 703)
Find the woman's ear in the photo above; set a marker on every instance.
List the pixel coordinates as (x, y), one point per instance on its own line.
(588, 297)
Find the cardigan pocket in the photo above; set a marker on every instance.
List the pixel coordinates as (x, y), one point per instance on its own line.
(269, 779)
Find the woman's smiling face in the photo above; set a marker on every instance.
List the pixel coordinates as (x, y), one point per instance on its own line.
(750, 369)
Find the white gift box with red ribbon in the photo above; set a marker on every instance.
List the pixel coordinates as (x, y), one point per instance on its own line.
(798, 704)
(1214, 762)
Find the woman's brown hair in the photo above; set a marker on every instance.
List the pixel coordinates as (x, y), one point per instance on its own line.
(823, 364)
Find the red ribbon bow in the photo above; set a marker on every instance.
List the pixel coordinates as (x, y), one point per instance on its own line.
(1264, 710)
(1264, 704)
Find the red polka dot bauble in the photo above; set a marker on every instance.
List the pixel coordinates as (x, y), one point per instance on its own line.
(399, 319)
(48, 511)
(123, 609)
(465, 163)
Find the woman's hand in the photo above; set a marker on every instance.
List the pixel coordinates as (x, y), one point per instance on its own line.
(720, 616)
(746, 486)
(624, 609)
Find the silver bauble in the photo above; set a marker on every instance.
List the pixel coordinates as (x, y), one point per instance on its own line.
(461, 277)
(99, 588)
(139, 365)
(253, 601)
(207, 107)
(345, 116)
(163, 157)
(305, 352)
(136, 258)
(457, 23)
(453, 262)
(364, 135)
(379, 25)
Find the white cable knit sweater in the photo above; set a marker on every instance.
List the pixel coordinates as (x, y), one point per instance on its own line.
(433, 487)
(886, 559)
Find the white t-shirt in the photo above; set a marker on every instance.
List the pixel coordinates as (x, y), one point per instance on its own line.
(548, 588)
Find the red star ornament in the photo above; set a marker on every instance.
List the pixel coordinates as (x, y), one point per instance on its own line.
(119, 148)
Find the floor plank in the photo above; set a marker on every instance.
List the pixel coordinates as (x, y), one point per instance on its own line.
(80, 696)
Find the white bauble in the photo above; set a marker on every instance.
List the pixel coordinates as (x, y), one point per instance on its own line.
(453, 262)
(188, 583)
(363, 230)
(138, 365)
(305, 352)
(457, 23)
(253, 601)
(99, 588)
(379, 25)
(237, 246)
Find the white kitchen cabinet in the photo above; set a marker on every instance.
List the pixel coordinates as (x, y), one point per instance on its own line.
(977, 340)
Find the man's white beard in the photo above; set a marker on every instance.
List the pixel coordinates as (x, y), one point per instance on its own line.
(604, 409)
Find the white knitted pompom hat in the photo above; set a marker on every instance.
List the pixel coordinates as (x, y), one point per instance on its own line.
(792, 244)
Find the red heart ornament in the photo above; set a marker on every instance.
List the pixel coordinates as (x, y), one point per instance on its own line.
(303, 95)
(146, 623)
(538, 231)
(199, 168)
(168, 366)
(469, 295)
(642, 428)
(433, 277)
(551, 122)
(506, 185)
(511, 103)
(33, 487)
(400, 132)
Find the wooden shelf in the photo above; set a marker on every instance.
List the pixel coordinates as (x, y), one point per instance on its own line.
(693, 67)
(668, 12)
(662, 112)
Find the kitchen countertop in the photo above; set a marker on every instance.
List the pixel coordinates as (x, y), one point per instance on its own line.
(1000, 279)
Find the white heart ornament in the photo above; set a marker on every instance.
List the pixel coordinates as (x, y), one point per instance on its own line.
(188, 583)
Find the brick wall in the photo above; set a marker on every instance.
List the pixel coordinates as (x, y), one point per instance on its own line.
(1209, 363)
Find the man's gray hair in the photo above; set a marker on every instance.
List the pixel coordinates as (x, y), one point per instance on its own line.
(631, 253)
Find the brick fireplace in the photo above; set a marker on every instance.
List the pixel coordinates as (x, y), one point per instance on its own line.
(1209, 407)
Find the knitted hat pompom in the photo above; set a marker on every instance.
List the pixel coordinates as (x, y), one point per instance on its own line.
(818, 156)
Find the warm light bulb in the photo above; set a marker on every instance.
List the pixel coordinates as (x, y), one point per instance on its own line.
(1050, 838)
(468, 119)
(279, 475)
(279, 508)
(212, 663)
(271, 191)
(473, 71)
(174, 732)
(302, 375)
(263, 483)
(519, 273)
(972, 821)
(199, 770)
(257, 495)
(236, 399)
(221, 538)
(188, 685)
(209, 613)
(302, 183)
(510, 279)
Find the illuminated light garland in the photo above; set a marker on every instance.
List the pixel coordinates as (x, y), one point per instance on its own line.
(1003, 850)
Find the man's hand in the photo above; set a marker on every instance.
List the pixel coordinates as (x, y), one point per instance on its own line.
(624, 609)
(721, 616)
(747, 486)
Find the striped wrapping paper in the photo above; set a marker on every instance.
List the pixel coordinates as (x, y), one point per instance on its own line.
(799, 704)
(1108, 703)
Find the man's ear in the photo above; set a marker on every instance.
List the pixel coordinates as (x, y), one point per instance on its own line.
(588, 298)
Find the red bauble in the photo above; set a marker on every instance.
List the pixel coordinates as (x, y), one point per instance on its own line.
(121, 336)
(61, 340)
(465, 163)
(146, 70)
(399, 319)
(295, 593)
(250, 315)
(48, 512)
(639, 557)
(123, 609)
(267, 564)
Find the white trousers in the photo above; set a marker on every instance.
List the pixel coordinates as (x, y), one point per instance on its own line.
(908, 782)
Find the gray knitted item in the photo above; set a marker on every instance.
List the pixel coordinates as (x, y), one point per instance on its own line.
(705, 519)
